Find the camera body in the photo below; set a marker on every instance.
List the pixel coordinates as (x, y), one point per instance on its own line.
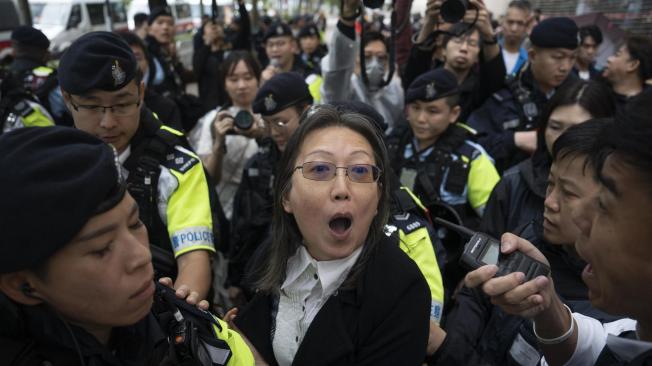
(373, 4)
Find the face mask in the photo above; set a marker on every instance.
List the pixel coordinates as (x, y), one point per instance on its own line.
(375, 73)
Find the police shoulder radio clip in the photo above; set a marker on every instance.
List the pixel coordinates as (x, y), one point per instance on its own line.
(481, 249)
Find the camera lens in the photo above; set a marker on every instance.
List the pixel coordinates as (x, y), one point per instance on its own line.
(453, 10)
(243, 120)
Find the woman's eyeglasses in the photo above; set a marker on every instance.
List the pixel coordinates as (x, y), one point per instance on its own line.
(323, 171)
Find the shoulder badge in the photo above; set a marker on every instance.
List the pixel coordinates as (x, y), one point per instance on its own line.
(181, 161)
(279, 30)
(270, 103)
(117, 73)
(430, 90)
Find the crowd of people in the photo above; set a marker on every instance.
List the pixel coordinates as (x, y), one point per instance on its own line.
(290, 212)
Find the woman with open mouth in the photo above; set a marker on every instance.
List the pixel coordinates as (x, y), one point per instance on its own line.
(332, 288)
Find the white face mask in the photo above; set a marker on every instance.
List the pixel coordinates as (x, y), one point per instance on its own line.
(375, 73)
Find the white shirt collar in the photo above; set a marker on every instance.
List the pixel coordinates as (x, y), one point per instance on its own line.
(330, 274)
(123, 156)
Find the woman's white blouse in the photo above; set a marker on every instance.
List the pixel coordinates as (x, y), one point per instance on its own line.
(308, 284)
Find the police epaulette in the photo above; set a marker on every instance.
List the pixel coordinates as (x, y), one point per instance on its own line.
(23, 108)
(180, 160)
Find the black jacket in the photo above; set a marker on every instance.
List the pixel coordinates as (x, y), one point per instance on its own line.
(382, 320)
(503, 114)
(252, 208)
(166, 109)
(32, 335)
(518, 200)
(484, 79)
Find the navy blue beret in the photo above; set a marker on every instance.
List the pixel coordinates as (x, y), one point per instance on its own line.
(277, 30)
(280, 92)
(60, 177)
(309, 30)
(364, 109)
(558, 32)
(30, 36)
(97, 61)
(432, 85)
(158, 11)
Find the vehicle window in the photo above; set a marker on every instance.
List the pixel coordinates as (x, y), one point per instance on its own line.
(55, 14)
(75, 16)
(183, 11)
(96, 13)
(8, 16)
(36, 9)
(118, 13)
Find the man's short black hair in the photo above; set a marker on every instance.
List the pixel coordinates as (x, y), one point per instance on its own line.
(140, 19)
(640, 48)
(592, 31)
(524, 5)
(460, 30)
(370, 36)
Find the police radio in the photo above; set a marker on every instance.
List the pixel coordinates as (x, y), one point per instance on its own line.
(482, 249)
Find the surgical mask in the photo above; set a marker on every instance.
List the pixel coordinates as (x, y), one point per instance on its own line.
(375, 73)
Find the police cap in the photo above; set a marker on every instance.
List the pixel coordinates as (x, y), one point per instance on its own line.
(158, 11)
(30, 36)
(57, 179)
(309, 30)
(280, 92)
(432, 85)
(97, 61)
(277, 30)
(558, 32)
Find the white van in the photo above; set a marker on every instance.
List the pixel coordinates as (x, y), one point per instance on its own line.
(63, 21)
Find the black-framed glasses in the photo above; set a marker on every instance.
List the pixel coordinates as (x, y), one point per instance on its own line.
(96, 111)
(324, 171)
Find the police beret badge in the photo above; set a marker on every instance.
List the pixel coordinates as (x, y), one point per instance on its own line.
(117, 73)
(430, 90)
(279, 30)
(270, 103)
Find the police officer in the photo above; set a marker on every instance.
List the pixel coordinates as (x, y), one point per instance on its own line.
(18, 107)
(104, 91)
(506, 122)
(312, 49)
(436, 157)
(30, 49)
(280, 102)
(281, 50)
(77, 288)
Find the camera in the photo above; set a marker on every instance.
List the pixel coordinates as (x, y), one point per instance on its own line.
(243, 120)
(482, 249)
(452, 11)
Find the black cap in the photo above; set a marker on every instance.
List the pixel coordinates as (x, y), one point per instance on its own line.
(309, 30)
(432, 85)
(97, 61)
(60, 178)
(558, 32)
(364, 109)
(280, 92)
(30, 36)
(277, 30)
(158, 11)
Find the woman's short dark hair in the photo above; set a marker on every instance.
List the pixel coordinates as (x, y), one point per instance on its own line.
(579, 140)
(232, 60)
(286, 236)
(593, 96)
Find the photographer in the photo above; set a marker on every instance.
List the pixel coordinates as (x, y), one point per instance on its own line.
(223, 141)
(342, 74)
(469, 50)
(614, 235)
